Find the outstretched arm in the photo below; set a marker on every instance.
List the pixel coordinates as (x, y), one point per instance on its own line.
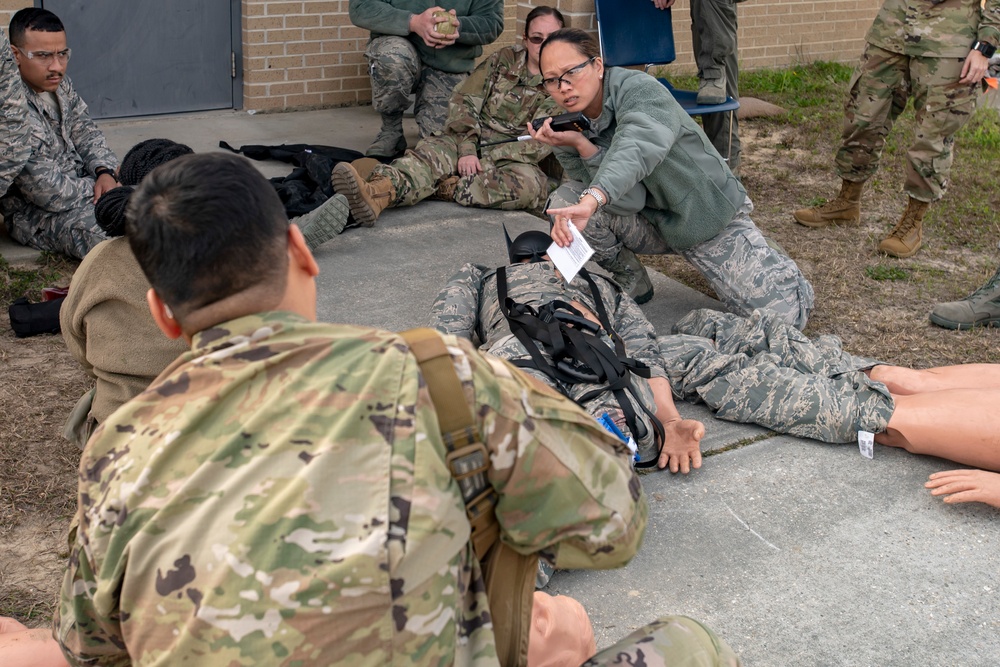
(681, 437)
(966, 486)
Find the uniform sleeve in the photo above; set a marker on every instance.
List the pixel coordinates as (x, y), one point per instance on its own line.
(87, 634)
(87, 139)
(379, 16)
(44, 183)
(15, 146)
(72, 314)
(565, 485)
(531, 151)
(483, 24)
(572, 164)
(466, 106)
(456, 308)
(989, 26)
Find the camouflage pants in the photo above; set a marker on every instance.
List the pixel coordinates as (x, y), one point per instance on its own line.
(73, 232)
(881, 85)
(745, 272)
(396, 73)
(507, 184)
(758, 370)
(713, 34)
(668, 642)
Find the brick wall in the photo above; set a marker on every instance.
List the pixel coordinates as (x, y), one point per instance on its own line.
(305, 53)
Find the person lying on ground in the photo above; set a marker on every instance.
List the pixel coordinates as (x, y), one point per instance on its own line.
(626, 379)
(493, 105)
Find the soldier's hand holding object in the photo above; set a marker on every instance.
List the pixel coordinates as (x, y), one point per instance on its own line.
(974, 68)
(436, 26)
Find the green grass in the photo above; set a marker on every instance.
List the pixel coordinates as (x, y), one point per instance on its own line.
(17, 281)
(884, 272)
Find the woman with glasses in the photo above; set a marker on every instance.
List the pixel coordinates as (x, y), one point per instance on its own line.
(493, 105)
(645, 179)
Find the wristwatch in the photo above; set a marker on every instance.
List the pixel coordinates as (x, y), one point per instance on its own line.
(100, 171)
(984, 48)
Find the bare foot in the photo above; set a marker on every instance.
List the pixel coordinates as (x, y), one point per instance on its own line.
(682, 445)
(966, 486)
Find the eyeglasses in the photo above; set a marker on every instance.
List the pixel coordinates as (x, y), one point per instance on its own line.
(536, 39)
(568, 77)
(46, 57)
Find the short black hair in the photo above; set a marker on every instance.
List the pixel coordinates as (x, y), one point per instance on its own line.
(32, 18)
(585, 43)
(206, 227)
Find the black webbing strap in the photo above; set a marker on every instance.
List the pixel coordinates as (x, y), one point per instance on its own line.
(578, 354)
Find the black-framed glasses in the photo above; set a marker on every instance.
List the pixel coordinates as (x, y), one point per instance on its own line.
(568, 77)
(46, 57)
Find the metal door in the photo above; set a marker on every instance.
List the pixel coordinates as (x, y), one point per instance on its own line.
(141, 57)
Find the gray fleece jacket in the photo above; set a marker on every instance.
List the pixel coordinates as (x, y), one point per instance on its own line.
(654, 160)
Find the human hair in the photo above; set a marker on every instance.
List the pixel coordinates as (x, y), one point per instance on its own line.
(32, 18)
(543, 10)
(582, 41)
(146, 156)
(139, 161)
(207, 227)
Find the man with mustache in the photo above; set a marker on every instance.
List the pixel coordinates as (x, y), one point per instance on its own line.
(50, 205)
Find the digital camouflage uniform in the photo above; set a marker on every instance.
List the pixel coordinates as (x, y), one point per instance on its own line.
(50, 204)
(915, 49)
(279, 496)
(401, 65)
(669, 190)
(15, 148)
(468, 307)
(760, 370)
(495, 103)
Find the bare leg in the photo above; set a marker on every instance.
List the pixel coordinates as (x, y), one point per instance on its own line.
(962, 425)
(905, 381)
(22, 647)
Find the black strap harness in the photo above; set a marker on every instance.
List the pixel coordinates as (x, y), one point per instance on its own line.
(578, 352)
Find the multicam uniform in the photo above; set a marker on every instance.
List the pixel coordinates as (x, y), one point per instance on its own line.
(468, 307)
(495, 103)
(670, 191)
(279, 496)
(15, 147)
(50, 204)
(401, 64)
(915, 48)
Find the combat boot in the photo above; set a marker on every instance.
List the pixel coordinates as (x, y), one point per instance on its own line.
(366, 199)
(844, 210)
(630, 273)
(364, 166)
(906, 237)
(446, 189)
(979, 309)
(390, 142)
(712, 91)
(322, 224)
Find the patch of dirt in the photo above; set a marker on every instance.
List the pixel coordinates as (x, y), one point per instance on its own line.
(39, 385)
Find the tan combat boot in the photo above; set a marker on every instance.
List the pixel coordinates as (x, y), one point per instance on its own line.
(905, 238)
(844, 210)
(367, 199)
(364, 166)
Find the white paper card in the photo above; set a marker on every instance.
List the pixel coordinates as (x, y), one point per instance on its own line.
(866, 443)
(570, 260)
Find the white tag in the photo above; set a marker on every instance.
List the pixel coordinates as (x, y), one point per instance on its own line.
(570, 260)
(866, 443)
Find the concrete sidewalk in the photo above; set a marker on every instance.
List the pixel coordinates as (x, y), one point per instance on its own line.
(797, 553)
